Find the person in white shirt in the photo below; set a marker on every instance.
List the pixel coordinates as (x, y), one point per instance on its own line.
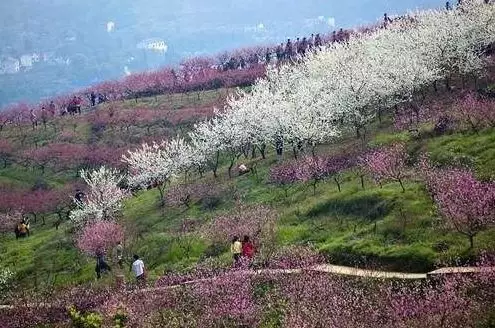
(138, 269)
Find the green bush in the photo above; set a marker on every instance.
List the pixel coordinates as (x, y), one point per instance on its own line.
(89, 320)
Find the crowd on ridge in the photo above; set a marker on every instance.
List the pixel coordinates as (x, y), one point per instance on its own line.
(289, 51)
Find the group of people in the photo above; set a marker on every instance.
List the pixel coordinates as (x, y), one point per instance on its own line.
(284, 51)
(242, 252)
(448, 4)
(137, 266)
(22, 228)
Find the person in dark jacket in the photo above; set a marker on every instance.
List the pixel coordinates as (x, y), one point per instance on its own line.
(101, 265)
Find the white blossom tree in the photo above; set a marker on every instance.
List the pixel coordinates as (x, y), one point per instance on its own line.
(103, 200)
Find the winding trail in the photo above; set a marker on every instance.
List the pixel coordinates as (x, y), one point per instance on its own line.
(324, 268)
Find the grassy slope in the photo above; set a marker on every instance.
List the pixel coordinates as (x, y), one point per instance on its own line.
(380, 227)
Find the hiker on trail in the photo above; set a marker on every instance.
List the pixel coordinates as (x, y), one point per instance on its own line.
(247, 250)
(268, 55)
(242, 63)
(297, 44)
(22, 229)
(236, 250)
(119, 250)
(101, 265)
(92, 97)
(386, 20)
(138, 268)
(303, 46)
(288, 49)
(318, 42)
(75, 105)
(33, 118)
(311, 41)
(52, 108)
(280, 52)
(44, 116)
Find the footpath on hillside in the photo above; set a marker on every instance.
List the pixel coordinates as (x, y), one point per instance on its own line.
(341, 270)
(323, 268)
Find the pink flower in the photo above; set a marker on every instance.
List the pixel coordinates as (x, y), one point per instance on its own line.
(100, 237)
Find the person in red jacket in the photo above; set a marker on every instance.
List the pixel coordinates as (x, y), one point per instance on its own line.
(247, 250)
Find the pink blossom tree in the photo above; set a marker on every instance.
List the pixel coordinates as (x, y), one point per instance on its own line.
(475, 113)
(386, 164)
(227, 300)
(337, 165)
(99, 237)
(444, 303)
(467, 204)
(257, 222)
(186, 194)
(9, 220)
(313, 169)
(284, 175)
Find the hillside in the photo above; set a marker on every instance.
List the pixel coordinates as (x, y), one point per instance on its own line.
(378, 227)
(362, 154)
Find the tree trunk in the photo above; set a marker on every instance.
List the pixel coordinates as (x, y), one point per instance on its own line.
(338, 183)
(262, 149)
(161, 190)
(215, 165)
(471, 241)
(294, 152)
(401, 185)
(232, 162)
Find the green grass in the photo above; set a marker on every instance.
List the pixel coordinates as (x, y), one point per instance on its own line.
(380, 227)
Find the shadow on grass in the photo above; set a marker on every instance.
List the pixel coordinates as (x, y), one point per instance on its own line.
(366, 207)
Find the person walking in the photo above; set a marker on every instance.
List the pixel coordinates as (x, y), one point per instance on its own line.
(101, 265)
(236, 250)
(138, 269)
(92, 97)
(247, 250)
(22, 230)
(119, 250)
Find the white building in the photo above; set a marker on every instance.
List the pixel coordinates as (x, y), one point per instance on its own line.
(153, 44)
(27, 61)
(10, 65)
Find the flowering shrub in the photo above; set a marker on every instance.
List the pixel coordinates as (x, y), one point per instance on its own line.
(474, 113)
(185, 194)
(284, 175)
(312, 169)
(8, 221)
(388, 164)
(227, 299)
(252, 221)
(6, 276)
(295, 257)
(99, 237)
(467, 204)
